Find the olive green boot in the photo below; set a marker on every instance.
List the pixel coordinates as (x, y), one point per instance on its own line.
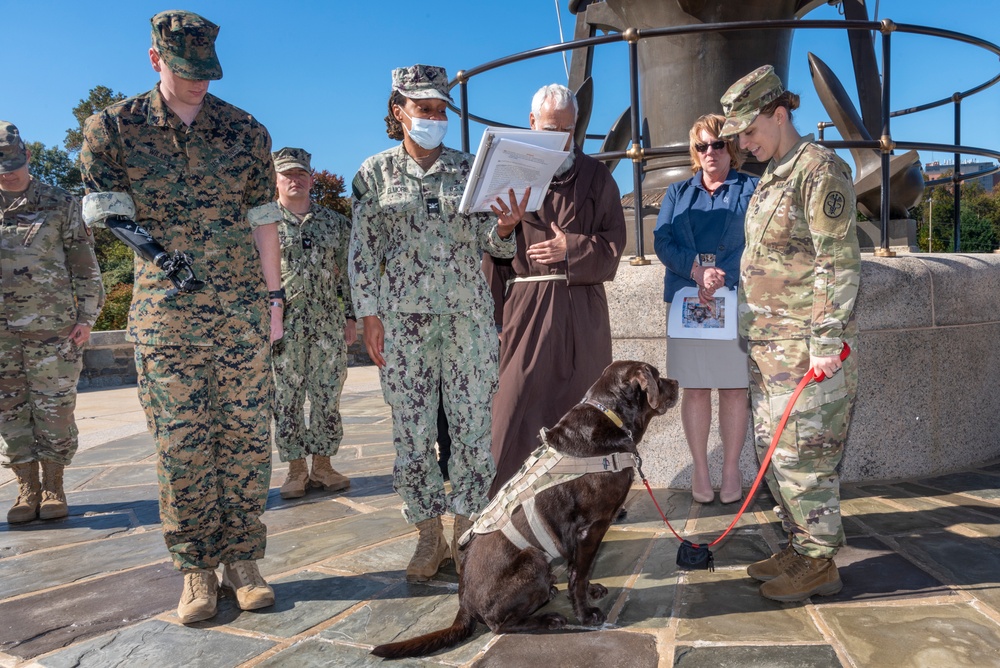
(323, 475)
(29, 493)
(803, 577)
(53, 497)
(296, 481)
(431, 553)
(773, 566)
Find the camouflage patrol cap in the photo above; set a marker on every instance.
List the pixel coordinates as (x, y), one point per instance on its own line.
(420, 82)
(12, 153)
(742, 103)
(291, 158)
(186, 43)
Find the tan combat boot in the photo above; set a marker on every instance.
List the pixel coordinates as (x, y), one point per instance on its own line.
(803, 577)
(323, 475)
(53, 498)
(298, 477)
(431, 553)
(245, 580)
(200, 596)
(29, 493)
(773, 566)
(462, 524)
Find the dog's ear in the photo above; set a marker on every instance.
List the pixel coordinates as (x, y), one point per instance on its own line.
(645, 376)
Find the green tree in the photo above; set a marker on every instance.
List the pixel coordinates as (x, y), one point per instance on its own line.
(114, 257)
(977, 233)
(97, 99)
(54, 166)
(328, 190)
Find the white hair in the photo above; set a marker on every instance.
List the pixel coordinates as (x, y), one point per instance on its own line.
(560, 96)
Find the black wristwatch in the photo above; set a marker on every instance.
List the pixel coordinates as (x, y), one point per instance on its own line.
(276, 294)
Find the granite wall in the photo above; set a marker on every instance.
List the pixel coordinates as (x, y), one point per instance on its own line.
(929, 353)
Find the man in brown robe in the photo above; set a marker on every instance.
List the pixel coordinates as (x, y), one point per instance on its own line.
(556, 334)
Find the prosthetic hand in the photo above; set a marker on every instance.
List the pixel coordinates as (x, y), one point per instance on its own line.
(116, 211)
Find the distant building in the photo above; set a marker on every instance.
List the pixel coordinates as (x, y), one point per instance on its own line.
(936, 170)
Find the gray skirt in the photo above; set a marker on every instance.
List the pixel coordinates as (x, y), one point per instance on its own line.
(702, 363)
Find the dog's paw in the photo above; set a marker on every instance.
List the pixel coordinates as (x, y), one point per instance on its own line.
(553, 621)
(597, 591)
(592, 617)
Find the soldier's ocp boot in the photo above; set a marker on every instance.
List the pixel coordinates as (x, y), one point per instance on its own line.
(53, 498)
(773, 566)
(323, 475)
(200, 596)
(803, 577)
(245, 580)
(462, 524)
(29, 493)
(298, 477)
(431, 553)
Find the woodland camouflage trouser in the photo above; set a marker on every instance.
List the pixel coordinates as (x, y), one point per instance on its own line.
(209, 410)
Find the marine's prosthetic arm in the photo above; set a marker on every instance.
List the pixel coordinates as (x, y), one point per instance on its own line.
(116, 211)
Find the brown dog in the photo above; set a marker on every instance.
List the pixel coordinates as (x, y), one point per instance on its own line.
(502, 585)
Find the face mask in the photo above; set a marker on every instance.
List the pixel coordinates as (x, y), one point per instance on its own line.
(427, 133)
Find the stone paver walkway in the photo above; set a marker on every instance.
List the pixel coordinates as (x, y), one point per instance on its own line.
(922, 574)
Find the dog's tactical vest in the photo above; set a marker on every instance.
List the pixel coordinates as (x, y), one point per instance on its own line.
(544, 468)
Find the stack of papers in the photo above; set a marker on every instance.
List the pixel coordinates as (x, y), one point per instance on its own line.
(511, 158)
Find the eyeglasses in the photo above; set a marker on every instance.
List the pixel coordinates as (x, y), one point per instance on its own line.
(718, 145)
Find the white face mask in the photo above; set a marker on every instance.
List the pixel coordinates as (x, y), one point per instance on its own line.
(427, 133)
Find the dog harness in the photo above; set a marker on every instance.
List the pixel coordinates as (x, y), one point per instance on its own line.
(544, 468)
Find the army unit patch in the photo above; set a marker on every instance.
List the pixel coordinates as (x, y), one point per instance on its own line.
(833, 205)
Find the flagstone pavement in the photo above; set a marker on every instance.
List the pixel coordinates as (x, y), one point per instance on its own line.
(921, 574)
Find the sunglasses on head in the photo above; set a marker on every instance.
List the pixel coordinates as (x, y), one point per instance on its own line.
(718, 145)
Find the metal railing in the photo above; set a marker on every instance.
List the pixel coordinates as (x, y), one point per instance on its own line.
(885, 145)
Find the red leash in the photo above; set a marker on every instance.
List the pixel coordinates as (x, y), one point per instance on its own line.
(702, 556)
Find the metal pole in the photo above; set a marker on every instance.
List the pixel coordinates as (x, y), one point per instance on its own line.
(631, 36)
(463, 92)
(957, 172)
(886, 140)
(930, 227)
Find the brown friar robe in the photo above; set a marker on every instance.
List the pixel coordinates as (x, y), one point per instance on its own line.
(556, 336)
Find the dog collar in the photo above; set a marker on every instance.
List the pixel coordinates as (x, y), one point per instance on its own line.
(610, 415)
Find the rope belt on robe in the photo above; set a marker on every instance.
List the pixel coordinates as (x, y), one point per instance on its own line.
(534, 279)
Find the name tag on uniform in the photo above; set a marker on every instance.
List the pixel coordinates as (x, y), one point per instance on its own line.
(433, 206)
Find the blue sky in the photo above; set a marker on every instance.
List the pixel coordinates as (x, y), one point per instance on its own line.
(317, 74)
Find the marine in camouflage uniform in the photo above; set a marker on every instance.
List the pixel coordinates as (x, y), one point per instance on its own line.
(193, 166)
(799, 279)
(319, 324)
(435, 308)
(50, 297)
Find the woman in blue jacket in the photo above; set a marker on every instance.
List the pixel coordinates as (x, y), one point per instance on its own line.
(699, 238)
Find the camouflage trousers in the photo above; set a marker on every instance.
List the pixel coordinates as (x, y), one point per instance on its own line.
(457, 355)
(38, 377)
(803, 474)
(310, 359)
(209, 410)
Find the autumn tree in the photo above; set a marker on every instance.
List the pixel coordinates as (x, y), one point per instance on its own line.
(328, 190)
